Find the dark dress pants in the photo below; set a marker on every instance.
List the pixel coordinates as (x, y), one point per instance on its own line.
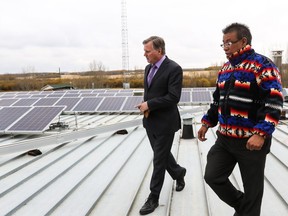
(221, 160)
(162, 160)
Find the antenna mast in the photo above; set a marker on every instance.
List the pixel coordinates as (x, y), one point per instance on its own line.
(125, 53)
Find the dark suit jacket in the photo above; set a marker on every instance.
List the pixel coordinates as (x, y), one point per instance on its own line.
(162, 97)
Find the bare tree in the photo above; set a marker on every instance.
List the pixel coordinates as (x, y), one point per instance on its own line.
(96, 66)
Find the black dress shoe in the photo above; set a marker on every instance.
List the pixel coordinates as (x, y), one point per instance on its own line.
(150, 205)
(180, 183)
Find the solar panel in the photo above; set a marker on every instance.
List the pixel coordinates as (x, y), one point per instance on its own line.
(26, 102)
(45, 92)
(72, 91)
(10, 93)
(7, 96)
(9, 115)
(124, 94)
(58, 92)
(7, 102)
(36, 120)
(23, 96)
(23, 93)
(112, 91)
(95, 100)
(131, 102)
(89, 94)
(85, 91)
(46, 102)
(126, 90)
(71, 95)
(111, 104)
(68, 102)
(201, 96)
(199, 89)
(106, 94)
(185, 96)
(88, 104)
(54, 95)
(211, 89)
(99, 91)
(38, 96)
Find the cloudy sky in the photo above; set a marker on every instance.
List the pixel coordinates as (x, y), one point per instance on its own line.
(45, 35)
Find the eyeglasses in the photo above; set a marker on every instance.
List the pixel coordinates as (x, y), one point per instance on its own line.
(229, 43)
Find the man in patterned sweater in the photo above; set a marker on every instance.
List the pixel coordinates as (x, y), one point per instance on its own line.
(247, 105)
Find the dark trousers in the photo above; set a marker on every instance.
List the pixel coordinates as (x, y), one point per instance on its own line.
(162, 160)
(221, 160)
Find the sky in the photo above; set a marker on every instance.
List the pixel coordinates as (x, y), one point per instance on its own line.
(68, 35)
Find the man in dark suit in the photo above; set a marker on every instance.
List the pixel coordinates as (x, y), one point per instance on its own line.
(162, 91)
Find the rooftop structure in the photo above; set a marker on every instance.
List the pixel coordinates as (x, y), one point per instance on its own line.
(101, 165)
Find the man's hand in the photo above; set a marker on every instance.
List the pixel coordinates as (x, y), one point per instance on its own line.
(201, 133)
(255, 142)
(143, 107)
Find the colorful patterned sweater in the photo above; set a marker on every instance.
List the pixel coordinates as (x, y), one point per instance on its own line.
(248, 97)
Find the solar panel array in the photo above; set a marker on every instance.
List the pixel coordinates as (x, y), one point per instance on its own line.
(115, 101)
(25, 112)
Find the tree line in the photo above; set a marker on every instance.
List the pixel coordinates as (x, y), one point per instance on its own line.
(105, 79)
(93, 79)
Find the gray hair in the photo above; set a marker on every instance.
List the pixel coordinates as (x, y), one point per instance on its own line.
(157, 42)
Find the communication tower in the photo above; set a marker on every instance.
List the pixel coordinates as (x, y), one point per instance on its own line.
(125, 52)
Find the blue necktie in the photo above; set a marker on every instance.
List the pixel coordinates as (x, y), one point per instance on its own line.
(151, 74)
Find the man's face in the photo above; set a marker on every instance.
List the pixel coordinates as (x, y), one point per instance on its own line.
(232, 44)
(151, 54)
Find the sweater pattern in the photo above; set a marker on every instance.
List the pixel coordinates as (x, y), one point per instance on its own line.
(248, 97)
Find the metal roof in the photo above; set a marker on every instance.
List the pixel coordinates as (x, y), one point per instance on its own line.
(90, 169)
